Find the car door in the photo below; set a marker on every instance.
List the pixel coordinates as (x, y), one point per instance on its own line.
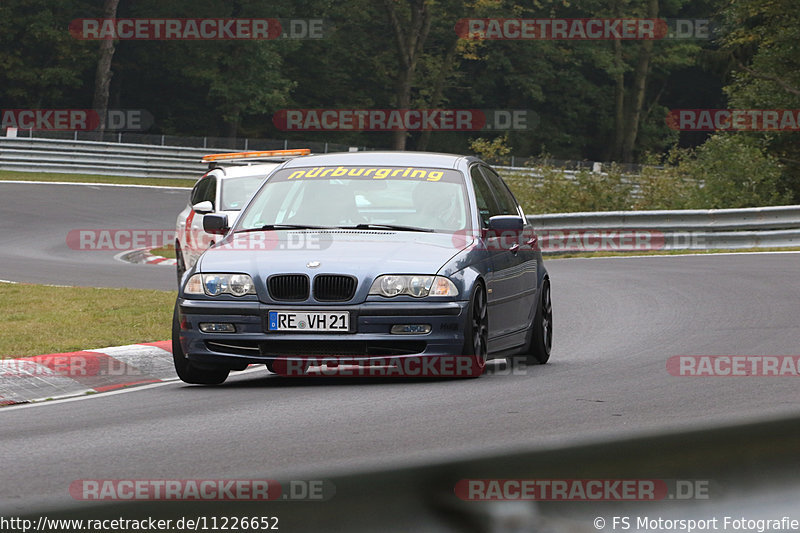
(197, 240)
(185, 220)
(499, 289)
(519, 279)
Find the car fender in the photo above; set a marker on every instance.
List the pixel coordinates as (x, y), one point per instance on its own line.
(466, 280)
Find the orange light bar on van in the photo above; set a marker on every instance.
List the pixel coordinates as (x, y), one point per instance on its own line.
(262, 153)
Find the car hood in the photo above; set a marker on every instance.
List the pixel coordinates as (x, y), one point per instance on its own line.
(362, 253)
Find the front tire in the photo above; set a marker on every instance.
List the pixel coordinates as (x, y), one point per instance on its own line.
(180, 264)
(188, 372)
(476, 336)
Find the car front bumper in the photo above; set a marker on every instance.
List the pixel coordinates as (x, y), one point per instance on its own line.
(369, 338)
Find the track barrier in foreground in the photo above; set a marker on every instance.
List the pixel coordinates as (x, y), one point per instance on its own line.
(740, 472)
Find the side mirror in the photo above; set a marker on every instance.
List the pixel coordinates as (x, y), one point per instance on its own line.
(506, 223)
(504, 232)
(203, 207)
(216, 224)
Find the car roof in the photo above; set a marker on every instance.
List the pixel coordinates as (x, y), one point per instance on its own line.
(400, 159)
(239, 171)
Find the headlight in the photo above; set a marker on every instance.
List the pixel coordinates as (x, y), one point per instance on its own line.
(416, 286)
(216, 284)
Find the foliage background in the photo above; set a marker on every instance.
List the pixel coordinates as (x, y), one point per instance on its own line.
(596, 100)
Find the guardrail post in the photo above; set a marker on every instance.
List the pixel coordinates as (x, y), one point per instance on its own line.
(326, 148)
(286, 144)
(162, 140)
(245, 143)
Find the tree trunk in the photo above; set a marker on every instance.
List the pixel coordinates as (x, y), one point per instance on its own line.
(410, 42)
(231, 129)
(438, 90)
(619, 93)
(619, 102)
(102, 80)
(639, 89)
(403, 102)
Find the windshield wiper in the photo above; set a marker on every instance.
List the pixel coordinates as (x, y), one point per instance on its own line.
(270, 227)
(388, 227)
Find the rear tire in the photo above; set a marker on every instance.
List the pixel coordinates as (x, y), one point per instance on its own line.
(538, 349)
(187, 371)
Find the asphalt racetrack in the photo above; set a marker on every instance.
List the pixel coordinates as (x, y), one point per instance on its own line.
(617, 321)
(37, 218)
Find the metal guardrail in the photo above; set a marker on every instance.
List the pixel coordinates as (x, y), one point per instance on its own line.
(107, 158)
(213, 144)
(64, 155)
(752, 218)
(761, 227)
(700, 229)
(89, 157)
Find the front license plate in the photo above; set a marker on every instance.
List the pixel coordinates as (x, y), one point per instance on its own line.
(304, 321)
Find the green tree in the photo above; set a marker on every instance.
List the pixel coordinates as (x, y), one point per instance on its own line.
(41, 64)
(762, 37)
(214, 87)
(735, 171)
(595, 99)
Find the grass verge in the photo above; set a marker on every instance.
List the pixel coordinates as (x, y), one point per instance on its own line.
(40, 319)
(167, 251)
(10, 175)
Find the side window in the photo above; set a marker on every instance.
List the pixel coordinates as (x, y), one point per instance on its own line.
(506, 201)
(210, 194)
(487, 206)
(199, 191)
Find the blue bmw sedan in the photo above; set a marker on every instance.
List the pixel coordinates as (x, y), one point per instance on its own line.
(418, 261)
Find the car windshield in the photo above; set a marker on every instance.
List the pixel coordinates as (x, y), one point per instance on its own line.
(237, 191)
(369, 197)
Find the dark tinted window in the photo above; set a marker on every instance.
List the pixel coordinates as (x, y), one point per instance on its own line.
(210, 193)
(505, 200)
(199, 191)
(487, 205)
